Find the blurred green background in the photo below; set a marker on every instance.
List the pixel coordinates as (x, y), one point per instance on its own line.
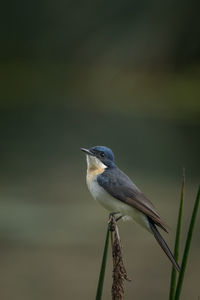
(125, 74)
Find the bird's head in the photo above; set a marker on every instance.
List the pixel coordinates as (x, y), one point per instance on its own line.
(99, 157)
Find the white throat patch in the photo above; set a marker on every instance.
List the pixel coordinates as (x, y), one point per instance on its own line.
(94, 163)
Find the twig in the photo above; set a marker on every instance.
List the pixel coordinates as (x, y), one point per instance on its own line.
(119, 271)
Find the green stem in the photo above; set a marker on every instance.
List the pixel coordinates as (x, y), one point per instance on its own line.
(187, 247)
(177, 241)
(103, 267)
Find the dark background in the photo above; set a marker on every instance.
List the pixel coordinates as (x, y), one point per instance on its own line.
(73, 74)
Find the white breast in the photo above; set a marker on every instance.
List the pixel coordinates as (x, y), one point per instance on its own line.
(114, 205)
(100, 194)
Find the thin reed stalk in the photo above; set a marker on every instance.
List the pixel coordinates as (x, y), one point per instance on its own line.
(177, 241)
(103, 267)
(187, 247)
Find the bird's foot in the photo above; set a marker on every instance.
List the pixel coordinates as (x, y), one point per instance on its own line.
(112, 215)
(119, 218)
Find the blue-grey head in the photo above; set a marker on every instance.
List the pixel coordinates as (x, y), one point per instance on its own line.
(100, 153)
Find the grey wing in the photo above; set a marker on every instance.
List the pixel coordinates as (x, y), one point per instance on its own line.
(119, 185)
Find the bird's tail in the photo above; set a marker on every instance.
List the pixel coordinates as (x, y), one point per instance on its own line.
(163, 244)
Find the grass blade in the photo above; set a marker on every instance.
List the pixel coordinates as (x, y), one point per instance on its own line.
(187, 247)
(103, 267)
(177, 241)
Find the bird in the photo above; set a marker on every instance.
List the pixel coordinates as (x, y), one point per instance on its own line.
(116, 192)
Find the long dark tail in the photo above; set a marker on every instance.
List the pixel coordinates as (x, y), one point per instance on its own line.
(163, 244)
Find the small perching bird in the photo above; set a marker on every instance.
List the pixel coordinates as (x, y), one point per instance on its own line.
(118, 194)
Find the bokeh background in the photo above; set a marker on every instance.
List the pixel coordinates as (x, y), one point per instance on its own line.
(125, 74)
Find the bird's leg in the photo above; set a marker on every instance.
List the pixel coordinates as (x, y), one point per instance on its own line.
(118, 218)
(115, 213)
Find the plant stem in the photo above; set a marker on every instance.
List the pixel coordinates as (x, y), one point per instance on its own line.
(187, 246)
(177, 241)
(103, 267)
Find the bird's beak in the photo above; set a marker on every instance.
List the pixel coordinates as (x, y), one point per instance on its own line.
(87, 151)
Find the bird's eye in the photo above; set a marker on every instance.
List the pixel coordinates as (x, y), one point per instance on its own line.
(102, 154)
